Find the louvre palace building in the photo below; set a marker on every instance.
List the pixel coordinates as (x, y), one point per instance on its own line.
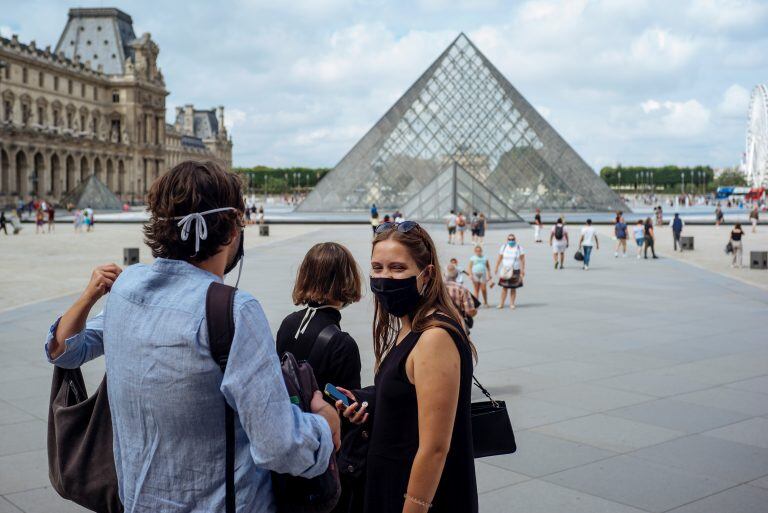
(95, 105)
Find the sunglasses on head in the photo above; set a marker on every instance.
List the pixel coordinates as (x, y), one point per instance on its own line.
(404, 227)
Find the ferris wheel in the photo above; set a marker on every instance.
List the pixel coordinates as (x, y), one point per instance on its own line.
(756, 160)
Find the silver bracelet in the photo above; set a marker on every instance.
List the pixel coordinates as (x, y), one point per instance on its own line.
(416, 500)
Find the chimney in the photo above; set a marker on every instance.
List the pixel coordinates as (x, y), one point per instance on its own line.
(220, 118)
(188, 128)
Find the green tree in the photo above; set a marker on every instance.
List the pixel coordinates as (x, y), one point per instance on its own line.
(731, 178)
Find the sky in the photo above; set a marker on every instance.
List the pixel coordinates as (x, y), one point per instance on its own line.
(635, 82)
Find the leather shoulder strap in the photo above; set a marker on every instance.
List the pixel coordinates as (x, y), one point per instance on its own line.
(219, 317)
(219, 302)
(322, 341)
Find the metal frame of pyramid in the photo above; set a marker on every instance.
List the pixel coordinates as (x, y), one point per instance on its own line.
(456, 187)
(92, 193)
(462, 110)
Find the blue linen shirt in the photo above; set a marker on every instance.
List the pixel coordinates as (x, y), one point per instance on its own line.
(166, 395)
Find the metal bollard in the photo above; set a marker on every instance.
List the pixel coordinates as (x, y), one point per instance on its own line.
(130, 256)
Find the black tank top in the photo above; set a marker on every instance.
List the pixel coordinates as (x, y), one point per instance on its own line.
(395, 437)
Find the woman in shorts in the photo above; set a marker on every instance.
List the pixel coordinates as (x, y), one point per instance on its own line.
(480, 270)
(482, 224)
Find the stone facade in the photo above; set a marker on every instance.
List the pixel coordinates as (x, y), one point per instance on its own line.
(94, 106)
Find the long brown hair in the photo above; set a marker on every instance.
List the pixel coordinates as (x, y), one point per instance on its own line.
(435, 295)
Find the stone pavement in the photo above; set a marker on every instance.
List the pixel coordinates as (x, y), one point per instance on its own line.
(635, 386)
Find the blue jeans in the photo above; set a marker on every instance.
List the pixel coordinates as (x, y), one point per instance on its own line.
(587, 250)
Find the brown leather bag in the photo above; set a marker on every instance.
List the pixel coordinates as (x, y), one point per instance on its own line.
(81, 464)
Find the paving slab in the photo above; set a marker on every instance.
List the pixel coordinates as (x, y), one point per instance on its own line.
(740, 499)
(751, 432)
(541, 497)
(539, 455)
(710, 456)
(645, 485)
(678, 415)
(610, 433)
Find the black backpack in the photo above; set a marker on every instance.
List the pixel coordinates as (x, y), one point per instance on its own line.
(559, 232)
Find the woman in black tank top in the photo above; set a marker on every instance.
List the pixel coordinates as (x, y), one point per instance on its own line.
(420, 456)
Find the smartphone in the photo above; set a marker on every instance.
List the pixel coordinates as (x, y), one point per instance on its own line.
(333, 392)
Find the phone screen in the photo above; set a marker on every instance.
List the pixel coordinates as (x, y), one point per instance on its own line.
(332, 392)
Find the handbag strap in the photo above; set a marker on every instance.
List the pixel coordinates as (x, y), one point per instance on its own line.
(322, 341)
(219, 317)
(484, 391)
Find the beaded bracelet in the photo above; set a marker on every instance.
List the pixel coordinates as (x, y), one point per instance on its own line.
(416, 500)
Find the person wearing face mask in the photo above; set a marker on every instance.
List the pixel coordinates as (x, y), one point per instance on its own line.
(166, 393)
(421, 452)
(512, 262)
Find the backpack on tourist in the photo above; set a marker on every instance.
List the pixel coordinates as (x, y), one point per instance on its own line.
(559, 232)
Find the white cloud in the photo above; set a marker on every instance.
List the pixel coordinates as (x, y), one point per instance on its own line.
(673, 119)
(728, 14)
(234, 117)
(6, 31)
(735, 102)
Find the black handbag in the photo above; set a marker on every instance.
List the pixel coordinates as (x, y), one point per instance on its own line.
(492, 433)
(578, 256)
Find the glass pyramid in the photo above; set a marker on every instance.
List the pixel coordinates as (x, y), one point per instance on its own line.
(462, 110)
(454, 188)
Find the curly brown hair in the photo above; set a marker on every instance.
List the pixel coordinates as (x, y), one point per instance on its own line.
(191, 187)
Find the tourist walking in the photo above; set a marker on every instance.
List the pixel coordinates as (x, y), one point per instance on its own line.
(620, 231)
(51, 216)
(39, 221)
(719, 217)
(737, 246)
(473, 224)
(374, 217)
(78, 219)
(420, 455)
(649, 239)
(327, 281)
(479, 269)
(677, 231)
(537, 226)
(3, 222)
(482, 225)
(167, 395)
(638, 232)
(754, 218)
(451, 224)
(512, 262)
(587, 241)
(558, 239)
(461, 226)
(460, 296)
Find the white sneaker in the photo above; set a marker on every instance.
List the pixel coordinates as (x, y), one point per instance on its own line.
(638, 257)
(616, 255)
(586, 268)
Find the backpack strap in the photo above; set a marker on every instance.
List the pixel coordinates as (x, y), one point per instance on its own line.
(322, 341)
(219, 317)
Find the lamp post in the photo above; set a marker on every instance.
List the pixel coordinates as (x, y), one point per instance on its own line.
(265, 188)
(682, 182)
(619, 179)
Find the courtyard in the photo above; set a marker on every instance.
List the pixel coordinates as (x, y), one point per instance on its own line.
(638, 386)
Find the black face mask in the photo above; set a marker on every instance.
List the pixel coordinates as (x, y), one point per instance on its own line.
(238, 256)
(398, 297)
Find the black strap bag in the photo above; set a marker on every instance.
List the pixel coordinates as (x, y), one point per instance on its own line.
(492, 433)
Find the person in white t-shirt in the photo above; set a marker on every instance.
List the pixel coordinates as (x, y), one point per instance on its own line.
(558, 239)
(451, 224)
(512, 262)
(587, 241)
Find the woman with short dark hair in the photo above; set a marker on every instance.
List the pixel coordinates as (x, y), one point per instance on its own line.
(327, 281)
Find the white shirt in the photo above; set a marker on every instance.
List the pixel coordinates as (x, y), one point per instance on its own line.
(452, 220)
(511, 256)
(588, 232)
